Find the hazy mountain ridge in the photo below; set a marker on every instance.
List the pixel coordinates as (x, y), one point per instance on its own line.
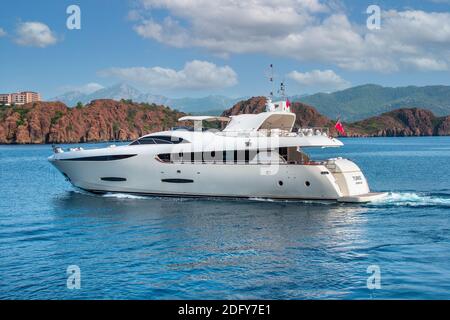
(127, 92)
(369, 100)
(351, 104)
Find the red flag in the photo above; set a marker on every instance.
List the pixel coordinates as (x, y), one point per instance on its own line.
(339, 127)
(288, 103)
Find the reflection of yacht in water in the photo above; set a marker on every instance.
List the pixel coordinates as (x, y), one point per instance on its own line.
(255, 155)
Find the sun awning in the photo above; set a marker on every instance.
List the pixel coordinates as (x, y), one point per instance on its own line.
(204, 118)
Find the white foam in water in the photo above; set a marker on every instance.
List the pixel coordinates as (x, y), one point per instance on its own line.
(410, 199)
(110, 195)
(261, 199)
(323, 202)
(123, 196)
(144, 197)
(413, 199)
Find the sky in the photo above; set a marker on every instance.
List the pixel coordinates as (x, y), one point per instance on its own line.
(196, 48)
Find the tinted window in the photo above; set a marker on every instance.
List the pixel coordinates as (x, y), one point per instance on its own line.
(165, 157)
(168, 139)
(230, 156)
(158, 140)
(145, 140)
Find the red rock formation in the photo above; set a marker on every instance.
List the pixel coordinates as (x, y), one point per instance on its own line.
(101, 120)
(443, 127)
(252, 105)
(401, 122)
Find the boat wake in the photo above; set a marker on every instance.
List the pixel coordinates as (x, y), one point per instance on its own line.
(393, 199)
(414, 199)
(313, 202)
(109, 195)
(123, 196)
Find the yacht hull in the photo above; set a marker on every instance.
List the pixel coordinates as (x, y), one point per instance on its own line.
(144, 174)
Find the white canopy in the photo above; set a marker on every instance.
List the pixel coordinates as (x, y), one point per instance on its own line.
(263, 120)
(204, 118)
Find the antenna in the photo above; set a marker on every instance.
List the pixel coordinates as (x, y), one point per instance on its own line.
(282, 90)
(271, 80)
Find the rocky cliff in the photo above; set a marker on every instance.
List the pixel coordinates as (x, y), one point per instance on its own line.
(402, 122)
(101, 120)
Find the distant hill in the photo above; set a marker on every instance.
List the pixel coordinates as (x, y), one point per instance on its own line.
(402, 122)
(352, 104)
(369, 100)
(127, 92)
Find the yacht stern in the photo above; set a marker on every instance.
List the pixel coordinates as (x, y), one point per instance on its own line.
(352, 182)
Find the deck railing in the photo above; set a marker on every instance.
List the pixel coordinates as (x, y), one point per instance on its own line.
(301, 132)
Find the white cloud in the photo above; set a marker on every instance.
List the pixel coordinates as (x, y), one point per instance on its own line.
(323, 80)
(134, 15)
(426, 64)
(307, 30)
(196, 75)
(35, 34)
(215, 24)
(169, 32)
(2, 32)
(86, 88)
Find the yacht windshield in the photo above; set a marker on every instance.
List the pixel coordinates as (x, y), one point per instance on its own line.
(158, 140)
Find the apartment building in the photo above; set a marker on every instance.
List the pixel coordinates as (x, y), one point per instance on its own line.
(5, 99)
(19, 98)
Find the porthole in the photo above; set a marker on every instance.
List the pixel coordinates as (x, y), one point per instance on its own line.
(280, 183)
(307, 183)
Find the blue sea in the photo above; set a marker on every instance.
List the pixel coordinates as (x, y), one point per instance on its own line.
(130, 247)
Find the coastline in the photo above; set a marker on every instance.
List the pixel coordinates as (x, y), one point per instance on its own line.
(128, 141)
(109, 121)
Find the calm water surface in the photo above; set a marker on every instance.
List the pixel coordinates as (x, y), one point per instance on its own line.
(130, 247)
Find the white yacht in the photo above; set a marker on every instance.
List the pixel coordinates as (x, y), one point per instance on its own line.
(253, 156)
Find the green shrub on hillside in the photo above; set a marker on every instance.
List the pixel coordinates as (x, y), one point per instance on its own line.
(58, 115)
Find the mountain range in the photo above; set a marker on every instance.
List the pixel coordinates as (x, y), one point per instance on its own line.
(351, 104)
(365, 101)
(213, 104)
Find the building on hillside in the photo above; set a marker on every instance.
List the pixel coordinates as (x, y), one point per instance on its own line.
(5, 99)
(19, 98)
